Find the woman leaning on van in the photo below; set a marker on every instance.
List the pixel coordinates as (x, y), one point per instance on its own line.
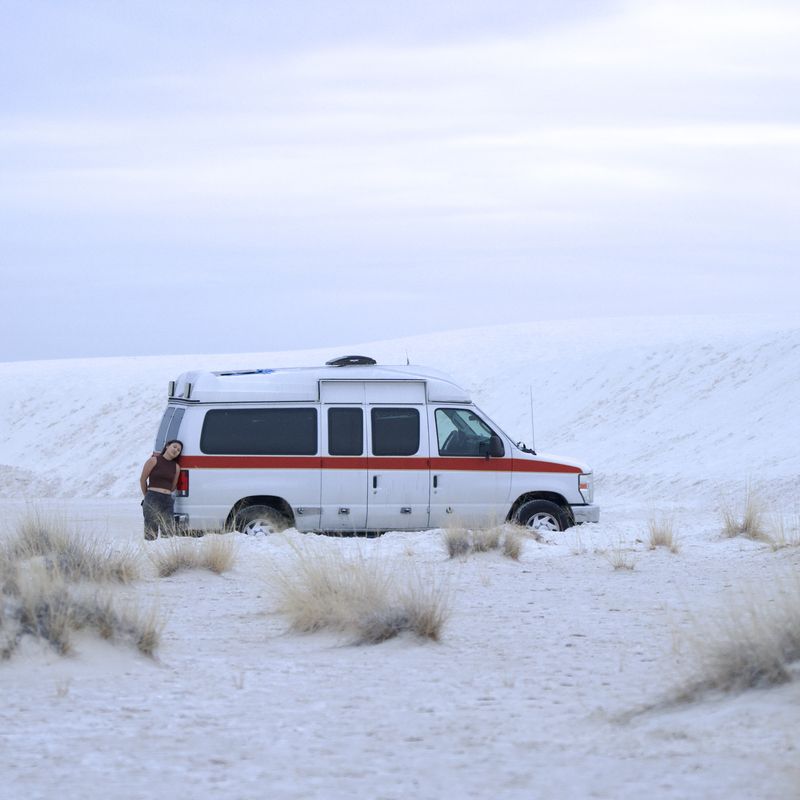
(158, 481)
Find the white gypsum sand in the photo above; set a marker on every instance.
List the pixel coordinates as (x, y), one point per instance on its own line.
(539, 684)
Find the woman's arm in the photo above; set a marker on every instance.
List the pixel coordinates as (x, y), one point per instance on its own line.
(177, 475)
(146, 470)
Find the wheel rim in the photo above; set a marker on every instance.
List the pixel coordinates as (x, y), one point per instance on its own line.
(259, 527)
(543, 522)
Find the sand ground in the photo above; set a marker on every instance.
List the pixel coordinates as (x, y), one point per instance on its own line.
(527, 695)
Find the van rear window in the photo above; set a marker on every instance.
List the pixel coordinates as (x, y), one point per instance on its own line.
(169, 427)
(260, 432)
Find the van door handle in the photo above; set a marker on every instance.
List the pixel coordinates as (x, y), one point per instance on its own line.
(374, 481)
(435, 481)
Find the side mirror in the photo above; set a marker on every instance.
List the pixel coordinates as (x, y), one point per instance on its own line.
(496, 449)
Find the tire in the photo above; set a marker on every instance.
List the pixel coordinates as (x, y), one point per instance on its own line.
(260, 521)
(542, 515)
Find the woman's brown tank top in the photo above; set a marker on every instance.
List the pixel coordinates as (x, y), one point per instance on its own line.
(163, 474)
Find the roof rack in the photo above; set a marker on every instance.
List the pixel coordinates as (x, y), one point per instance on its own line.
(351, 361)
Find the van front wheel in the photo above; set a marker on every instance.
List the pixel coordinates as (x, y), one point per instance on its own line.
(542, 515)
(260, 521)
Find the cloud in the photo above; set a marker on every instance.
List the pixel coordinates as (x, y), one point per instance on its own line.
(475, 126)
(653, 127)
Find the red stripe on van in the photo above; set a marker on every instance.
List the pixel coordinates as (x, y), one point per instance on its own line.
(251, 462)
(523, 465)
(465, 464)
(468, 464)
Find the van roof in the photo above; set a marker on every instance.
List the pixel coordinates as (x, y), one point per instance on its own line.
(302, 384)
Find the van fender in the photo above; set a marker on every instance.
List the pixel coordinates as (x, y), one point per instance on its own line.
(278, 503)
(553, 497)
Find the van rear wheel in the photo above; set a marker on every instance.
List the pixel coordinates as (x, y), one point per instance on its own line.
(542, 515)
(260, 521)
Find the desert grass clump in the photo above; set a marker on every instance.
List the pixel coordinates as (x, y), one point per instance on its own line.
(507, 538)
(782, 535)
(44, 607)
(366, 600)
(419, 608)
(483, 541)
(746, 520)
(512, 545)
(214, 552)
(73, 556)
(620, 557)
(661, 532)
(9, 574)
(219, 553)
(327, 590)
(457, 542)
(755, 643)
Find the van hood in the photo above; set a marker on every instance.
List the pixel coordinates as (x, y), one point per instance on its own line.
(579, 466)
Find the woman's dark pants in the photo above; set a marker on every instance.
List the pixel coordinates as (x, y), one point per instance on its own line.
(158, 511)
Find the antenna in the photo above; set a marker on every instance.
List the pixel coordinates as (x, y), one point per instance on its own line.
(407, 361)
(533, 437)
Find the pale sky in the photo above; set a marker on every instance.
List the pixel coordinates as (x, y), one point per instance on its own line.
(199, 177)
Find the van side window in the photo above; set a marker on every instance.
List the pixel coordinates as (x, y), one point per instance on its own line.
(345, 431)
(260, 432)
(395, 431)
(461, 432)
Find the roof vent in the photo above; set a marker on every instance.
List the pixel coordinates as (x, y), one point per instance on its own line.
(351, 361)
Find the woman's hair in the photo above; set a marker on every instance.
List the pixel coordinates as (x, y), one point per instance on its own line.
(171, 441)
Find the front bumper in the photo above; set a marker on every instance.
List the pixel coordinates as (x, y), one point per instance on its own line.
(586, 513)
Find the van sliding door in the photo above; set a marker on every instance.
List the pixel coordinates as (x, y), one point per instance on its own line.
(344, 457)
(375, 473)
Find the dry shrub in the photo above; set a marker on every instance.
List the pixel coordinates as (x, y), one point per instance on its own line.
(9, 573)
(457, 542)
(367, 600)
(44, 606)
(754, 643)
(219, 553)
(214, 552)
(40, 566)
(782, 535)
(620, 557)
(745, 520)
(72, 556)
(662, 533)
(512, 545)
(326, 590)
(485, 540)
(577, 547)
(419, 608)
(177, 557)
(507, 538)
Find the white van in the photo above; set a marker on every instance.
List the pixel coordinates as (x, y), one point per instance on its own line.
(354, 446)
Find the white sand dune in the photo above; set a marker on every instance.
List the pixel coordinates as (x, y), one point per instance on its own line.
(674, 405)
(529, 693)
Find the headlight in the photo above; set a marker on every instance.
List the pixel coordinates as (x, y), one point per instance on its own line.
(586, 486)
